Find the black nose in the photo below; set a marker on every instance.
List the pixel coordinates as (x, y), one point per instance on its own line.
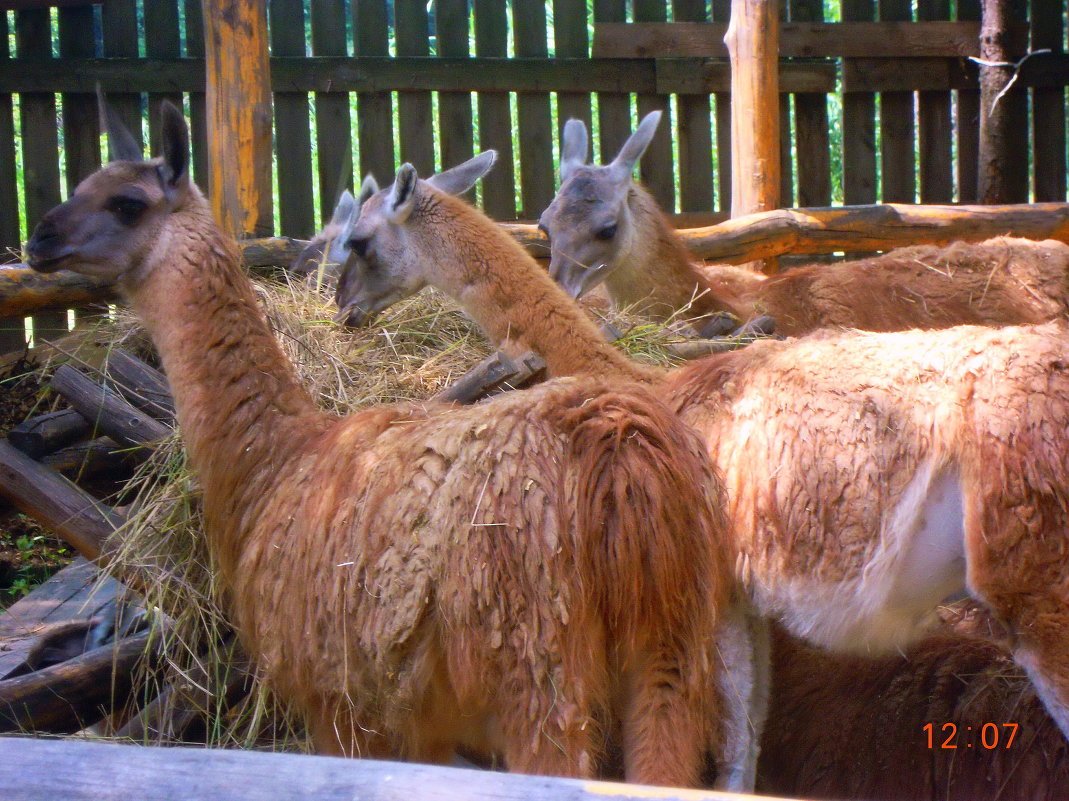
(45, 234)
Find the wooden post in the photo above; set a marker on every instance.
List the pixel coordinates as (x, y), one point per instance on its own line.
(1000, 130)
(239, 115)
(753, 44)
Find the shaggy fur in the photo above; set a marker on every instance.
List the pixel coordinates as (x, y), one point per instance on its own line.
(647, 266)
(529, 575)
(849, 728)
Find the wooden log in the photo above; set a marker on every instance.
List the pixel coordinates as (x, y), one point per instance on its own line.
(73, 694)
(74, 770)
(485, 376)
(239, 115)
(56, 503)
(106, 409)
(93, 458)
(48, 432)
(143, 386)
(752, 38)
(757, 328)
(999, 126)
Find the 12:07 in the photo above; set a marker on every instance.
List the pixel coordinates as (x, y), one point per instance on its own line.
(989, 735)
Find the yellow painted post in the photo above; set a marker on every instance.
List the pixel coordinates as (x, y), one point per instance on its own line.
(239, 115)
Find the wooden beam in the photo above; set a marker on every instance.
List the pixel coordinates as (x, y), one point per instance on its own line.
(799, 39)
(239, 115)
(999, 126)
(85, 771)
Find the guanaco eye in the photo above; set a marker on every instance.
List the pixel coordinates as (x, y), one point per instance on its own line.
(606, 233)
(359, 247)
(127, 209)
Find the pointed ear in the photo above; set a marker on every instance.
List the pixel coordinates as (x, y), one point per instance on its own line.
(461, 178)
(402, 197)
(121, 143)
(368, 188)
(345, 208)
(574, 148)
(637, 143)
(175, 138)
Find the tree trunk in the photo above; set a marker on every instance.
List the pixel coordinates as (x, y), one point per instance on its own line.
(1002, 134)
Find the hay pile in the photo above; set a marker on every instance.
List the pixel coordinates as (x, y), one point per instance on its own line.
(415, 350)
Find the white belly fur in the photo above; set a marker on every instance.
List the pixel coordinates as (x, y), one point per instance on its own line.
(891, 602)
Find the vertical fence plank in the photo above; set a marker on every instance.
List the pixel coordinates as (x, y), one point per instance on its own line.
(414, 108)
(454, 108)
(12, 335)
(536, 127)
(40, 142)
(162, 40)
(374, 110)
(897, 157)
(198, 112)
(81, 128)
(334, 146)
(722, 13)
(933, 120)
(786, 138)
(1048, 107)
(571, 40)
(859, 127)
(695, 132)
(614, 108)
(495, 116)
(120, 40)
(10, 234)
(812, 141)
(656, 167)
(293, 139)
(968, 122)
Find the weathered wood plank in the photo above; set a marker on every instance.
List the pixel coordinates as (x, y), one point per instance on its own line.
(334, 146)
(163, 39)
(812, 140)
(571, 40)
(143, 386)
(967, 120)
(81, 130)
(657, 168)
(198, 105)
(100, 456)
(934, 127)
(1048, 107)
(120, 41)
(10, 234)
(455, 130)
(106, 410)
(374, 110)
(37, 110)
(614, 106)
(495, 113)
(239, 115)
(32, 769)
(845, 39)
(721, 12)
(695, 132)
(536, 128)
(897, 160)
(415, 115)
(48, 432)
(859, 124)
(293, 139)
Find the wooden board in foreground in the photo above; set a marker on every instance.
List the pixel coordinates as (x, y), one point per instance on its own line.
(80, 771)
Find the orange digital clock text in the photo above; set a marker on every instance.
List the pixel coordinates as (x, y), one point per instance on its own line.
(992, 735)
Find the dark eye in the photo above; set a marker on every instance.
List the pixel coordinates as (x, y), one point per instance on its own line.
(606, 233)
(127, 209)
(359, 247)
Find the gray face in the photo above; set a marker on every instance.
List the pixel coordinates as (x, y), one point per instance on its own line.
(115, 216)
(390, 249)
(588, 223)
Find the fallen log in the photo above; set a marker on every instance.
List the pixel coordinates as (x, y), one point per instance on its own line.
(76, 693)
(145, 387)
(106, 409)
(73, 770)
(757, 328)
(93, 458)
(46, 433)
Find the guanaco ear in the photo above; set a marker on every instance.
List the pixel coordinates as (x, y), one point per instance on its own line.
(402, 194)
(459, 179)
(175, 138)
(121, 143)
(368, 188)
(574, 148)
(345, 208)
(637, 143)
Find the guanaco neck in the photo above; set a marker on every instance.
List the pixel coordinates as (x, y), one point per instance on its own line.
(239, 406)
(654, 269)
(513, 299)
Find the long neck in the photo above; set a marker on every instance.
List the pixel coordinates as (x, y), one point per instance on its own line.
(655, 270)
(515, 301)
(236, 394)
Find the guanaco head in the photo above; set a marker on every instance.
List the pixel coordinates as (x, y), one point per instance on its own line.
(589, 221)
(115, 217)
(328, 246)
(392, 243)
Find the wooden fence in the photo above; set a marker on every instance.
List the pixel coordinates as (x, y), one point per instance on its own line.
(431, 86)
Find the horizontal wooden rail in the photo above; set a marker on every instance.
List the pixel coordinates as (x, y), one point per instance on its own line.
(339, 74)
(83, 771)
(799, 39)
